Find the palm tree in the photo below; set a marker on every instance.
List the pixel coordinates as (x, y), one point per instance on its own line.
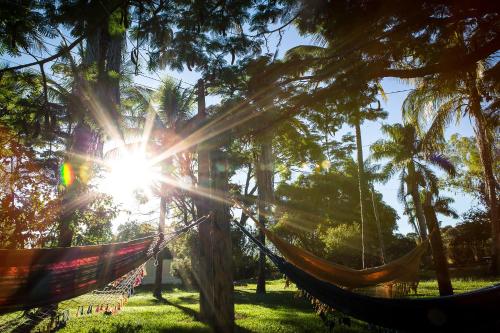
(437, 100)
(356, 119)
(433, 204)
(159, 124)
(174, 107)
(264, 172)
(404, 151)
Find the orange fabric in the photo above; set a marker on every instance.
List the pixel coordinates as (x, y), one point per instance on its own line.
(404, 269)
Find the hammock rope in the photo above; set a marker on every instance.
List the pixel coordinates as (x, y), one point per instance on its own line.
(42, 288)
(400, 271)
(472, 311)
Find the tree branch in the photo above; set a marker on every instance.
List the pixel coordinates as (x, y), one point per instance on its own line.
(451, 63)
(45, 60)
(64, 49)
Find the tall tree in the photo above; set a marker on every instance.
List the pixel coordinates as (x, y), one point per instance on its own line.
(156, 128)
(356, 119)
(405, 154)
(442, 99)
(323, 207)
(222, 271)
(175, 106)
(452, 44)
(431, 207)
(264, 172)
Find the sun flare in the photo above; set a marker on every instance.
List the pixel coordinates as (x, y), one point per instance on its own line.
(129, 173)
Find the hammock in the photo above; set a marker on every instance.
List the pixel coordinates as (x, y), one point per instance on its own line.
(475, 311)
(36, 277)
(402, 270)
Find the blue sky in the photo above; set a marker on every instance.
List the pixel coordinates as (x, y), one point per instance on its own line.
(370, 130)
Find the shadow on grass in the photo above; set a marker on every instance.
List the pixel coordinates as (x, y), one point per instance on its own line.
(190, 312)
(150, 288)
(132, 328)
(272, 299)
(189, 299)
(120, 328)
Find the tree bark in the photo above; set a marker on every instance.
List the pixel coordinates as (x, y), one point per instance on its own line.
(415, 195)
(361, 186)
(437, 248)
(159, 257)
(485, 152)
(106, 51)
(205, 261)
(223, 289)
(379, 229)
(264, 174)
(78, 148)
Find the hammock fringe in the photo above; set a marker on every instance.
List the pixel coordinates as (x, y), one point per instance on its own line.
(473, 311)
(42, 288)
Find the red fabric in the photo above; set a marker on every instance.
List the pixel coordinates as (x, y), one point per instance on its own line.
(37, 277)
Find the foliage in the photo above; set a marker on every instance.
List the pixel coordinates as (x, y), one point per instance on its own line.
(28, 194)
(400, 244)
(404, 151)
(26, 33)
(94, 222)
(463, 152)
(184, 264)
(324, 207)
(468, 242)
(133, 229)
(343, 244)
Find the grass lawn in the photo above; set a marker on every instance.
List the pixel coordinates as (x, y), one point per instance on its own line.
(280, 310)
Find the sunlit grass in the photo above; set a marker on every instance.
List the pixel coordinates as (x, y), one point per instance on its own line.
(429, 288)
(280, 310)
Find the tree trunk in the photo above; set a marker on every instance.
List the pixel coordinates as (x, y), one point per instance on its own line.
(105, 51)
(223, 289)
(379, 229)
(264, 174)
(159, 257)
(415, 195)
(485, 152)
(203, 270)
(79, 147)
(108, 93)
(361, 185)
(437, 248)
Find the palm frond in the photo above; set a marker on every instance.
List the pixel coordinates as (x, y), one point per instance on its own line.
(443, 163)
(401, 188)
(442, 205)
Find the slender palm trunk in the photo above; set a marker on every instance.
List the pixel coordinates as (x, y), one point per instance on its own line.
(379, 229)
(485, 152)
(361, 184)
(159, 257)
(415, 195)
(264, 174)
(437, 248)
